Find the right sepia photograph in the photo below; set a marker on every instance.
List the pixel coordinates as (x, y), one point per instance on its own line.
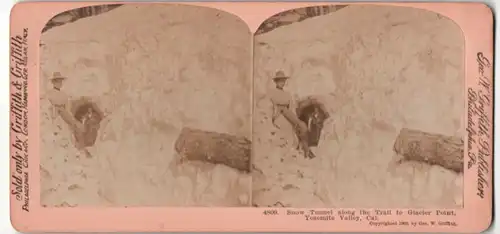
(358, 106)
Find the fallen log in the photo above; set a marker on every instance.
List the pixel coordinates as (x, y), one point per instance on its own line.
(215, 148)
(434, 149)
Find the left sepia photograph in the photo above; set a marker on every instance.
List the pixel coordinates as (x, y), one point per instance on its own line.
(145, 105)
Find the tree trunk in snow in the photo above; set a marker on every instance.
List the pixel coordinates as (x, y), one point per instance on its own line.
(434, 149)
(216, 148)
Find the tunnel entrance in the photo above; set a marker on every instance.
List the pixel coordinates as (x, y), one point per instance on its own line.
(90, 116)
(313, 113)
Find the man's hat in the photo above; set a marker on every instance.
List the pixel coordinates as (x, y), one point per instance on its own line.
(280, 75)
(57, 76)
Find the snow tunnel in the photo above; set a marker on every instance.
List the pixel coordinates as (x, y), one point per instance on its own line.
(313, 113)
(90, 116)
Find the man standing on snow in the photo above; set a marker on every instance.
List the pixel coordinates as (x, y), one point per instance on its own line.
(282, 102)
(61, 102)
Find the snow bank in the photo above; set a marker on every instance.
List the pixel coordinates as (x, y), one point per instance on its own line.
(153, 69)
(377, 69)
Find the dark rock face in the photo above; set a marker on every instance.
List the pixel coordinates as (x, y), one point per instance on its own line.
(296, 15)
(78, 13)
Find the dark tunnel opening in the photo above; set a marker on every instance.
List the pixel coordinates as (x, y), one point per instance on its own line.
(313, 113)
(90, 116)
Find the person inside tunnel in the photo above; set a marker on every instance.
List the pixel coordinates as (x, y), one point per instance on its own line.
(89, 115)
(314, 113)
